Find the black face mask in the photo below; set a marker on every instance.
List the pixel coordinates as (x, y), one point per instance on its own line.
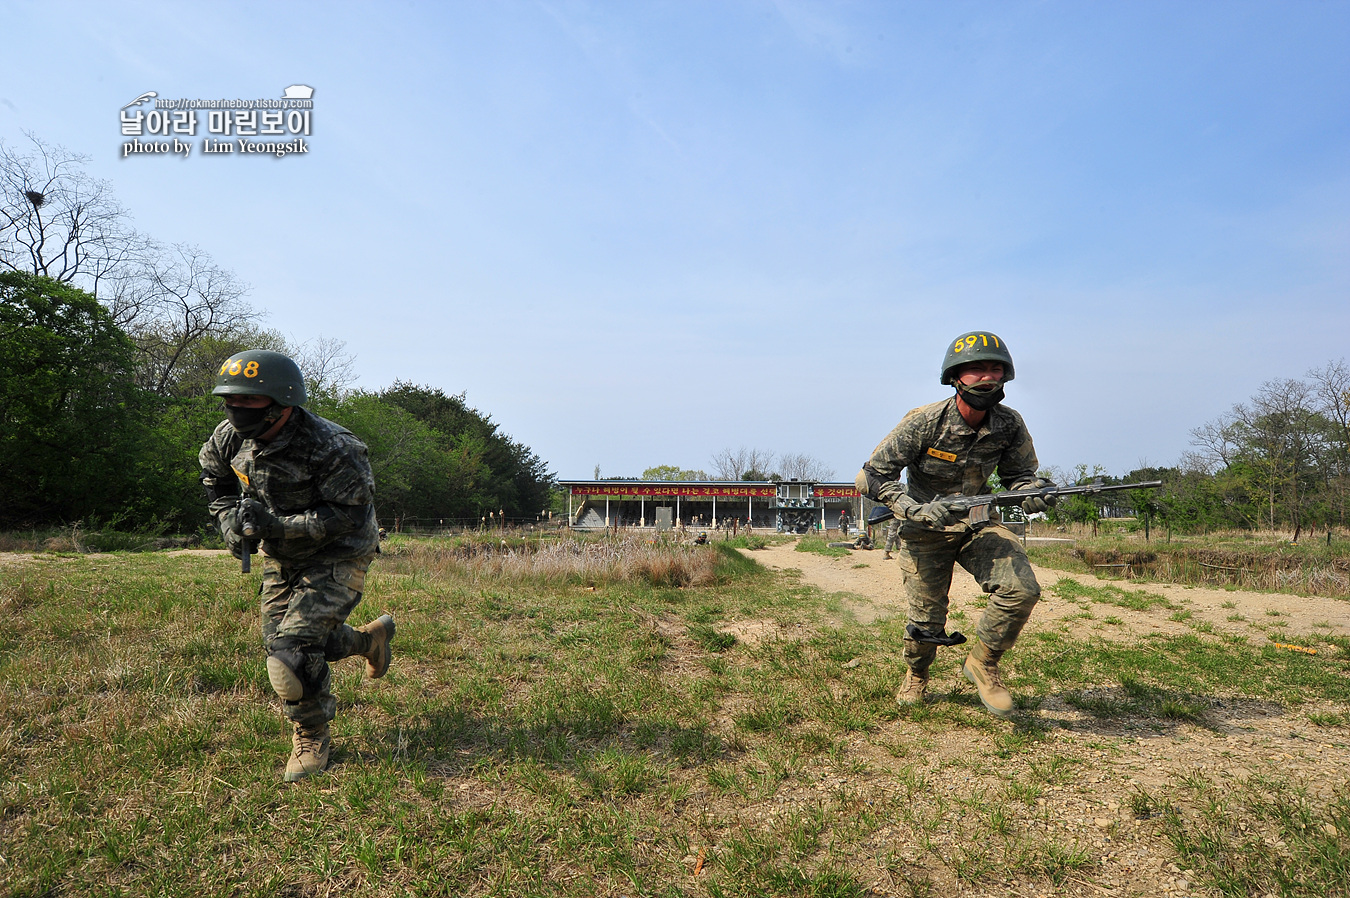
(249, 422)
(981, 397)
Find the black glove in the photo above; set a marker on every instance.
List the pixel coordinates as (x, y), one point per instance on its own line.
(935, 514)
(234, 542)
(229, 524)
(1037, 504)
(259, 523)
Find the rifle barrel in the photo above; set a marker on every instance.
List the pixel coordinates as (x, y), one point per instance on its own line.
(881, 513)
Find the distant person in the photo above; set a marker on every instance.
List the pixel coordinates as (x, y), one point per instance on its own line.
(951, 448)
(305, 484)
(892, 537)
(843, 522)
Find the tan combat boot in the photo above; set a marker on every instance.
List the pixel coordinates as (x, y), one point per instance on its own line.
(377, 657)
(981, 668)
(913, 690)
(309, 752)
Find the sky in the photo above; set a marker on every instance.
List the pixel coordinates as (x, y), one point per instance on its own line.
(639, 233)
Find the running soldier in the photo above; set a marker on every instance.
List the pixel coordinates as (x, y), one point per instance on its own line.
(302, 485)
(892, 537)
(951, 448)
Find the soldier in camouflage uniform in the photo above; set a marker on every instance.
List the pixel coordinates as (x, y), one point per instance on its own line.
(303, 485)
(892, 538)
(951, 448)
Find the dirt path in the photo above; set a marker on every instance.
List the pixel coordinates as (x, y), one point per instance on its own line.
(869, 589)
(1111, 760)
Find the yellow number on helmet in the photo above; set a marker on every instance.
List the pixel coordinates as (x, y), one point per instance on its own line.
(235, 366)
(223, 365)
(970, 341)
(960, 345)
(251, 369)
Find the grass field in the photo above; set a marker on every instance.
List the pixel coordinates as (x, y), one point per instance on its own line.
(579, 718)
(1258, 561)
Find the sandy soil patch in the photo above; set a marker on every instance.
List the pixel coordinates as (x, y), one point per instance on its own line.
(870, 590)
(1091, 805)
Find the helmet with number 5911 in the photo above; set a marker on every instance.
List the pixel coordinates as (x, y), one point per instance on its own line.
(976, 346)
(261, 372)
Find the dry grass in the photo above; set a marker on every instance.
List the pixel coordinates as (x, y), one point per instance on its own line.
(565, 560)
(1273, 566)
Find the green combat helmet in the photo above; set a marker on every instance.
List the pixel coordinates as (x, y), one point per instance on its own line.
(976, 346)
(261, 372)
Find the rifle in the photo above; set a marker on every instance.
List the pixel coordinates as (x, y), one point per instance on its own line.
(978, 506)
(247, 527)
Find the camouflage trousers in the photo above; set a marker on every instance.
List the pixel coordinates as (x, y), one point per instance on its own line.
(993, 556)
(892, 536)
(308, 606)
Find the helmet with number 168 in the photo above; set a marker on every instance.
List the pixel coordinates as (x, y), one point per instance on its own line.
(261, 372)
(976, 346)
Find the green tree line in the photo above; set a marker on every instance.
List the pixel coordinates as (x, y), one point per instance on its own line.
(109, 346)
(1280, 461)
(81, 439)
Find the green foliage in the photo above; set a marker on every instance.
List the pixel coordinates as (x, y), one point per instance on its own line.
(168, 489)
(673, 472)
(710, 639)
(71, 417)
(419, 471)
(820, 547)
(80, 441)
(1133, 599)
(493, 472)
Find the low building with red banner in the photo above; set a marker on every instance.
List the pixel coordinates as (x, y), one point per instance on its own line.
(790, 506)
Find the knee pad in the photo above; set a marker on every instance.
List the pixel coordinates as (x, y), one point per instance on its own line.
(297, 672)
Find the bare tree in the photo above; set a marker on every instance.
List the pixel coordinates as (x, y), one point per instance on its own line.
(180, 307)
(57, 221)
(1200, 463)
(181, 299)
(327, 365)
(1277, 440)
(1215, 444)
(1331, 384)
(729, 464)
(803, 467)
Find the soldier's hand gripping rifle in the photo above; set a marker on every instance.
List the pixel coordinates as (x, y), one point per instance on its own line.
(248, 529)
(978, 506)
(257, 522)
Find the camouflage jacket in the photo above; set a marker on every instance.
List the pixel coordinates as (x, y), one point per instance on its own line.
(945, 456)
(314, 475)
